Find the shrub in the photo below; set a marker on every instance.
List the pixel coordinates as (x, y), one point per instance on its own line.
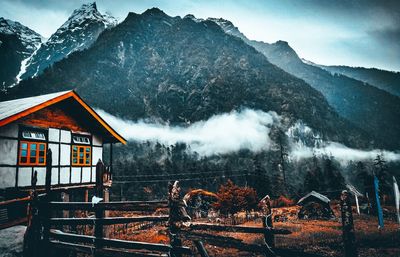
(232, 198)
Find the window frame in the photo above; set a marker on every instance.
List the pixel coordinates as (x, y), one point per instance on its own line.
(28, 154)
(81, 146)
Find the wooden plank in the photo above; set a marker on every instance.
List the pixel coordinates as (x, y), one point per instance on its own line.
(17, 200)
(119, 206)
(200, 247)
(106, 242)
(103, 252)
(241, 229)
(106, 221)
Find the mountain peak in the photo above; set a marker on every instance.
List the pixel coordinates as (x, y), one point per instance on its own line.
(282, 42)
(28, 37)
(87, 12)
(80, 30)
(228, 27)
(154, 11)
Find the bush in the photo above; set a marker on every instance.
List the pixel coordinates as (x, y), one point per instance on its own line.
(232, 198)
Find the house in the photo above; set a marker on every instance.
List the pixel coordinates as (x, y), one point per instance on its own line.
(315, 206)
(62, 122)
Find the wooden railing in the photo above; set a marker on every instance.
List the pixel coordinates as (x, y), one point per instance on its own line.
(13, 220)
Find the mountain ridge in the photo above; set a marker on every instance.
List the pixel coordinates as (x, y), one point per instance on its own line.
(366, 106)
(176, 70)
(79, 31)
(17, 42)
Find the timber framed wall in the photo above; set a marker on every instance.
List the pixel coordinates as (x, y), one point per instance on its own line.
(60, 141)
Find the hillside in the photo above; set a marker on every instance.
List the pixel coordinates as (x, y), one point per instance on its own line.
(385, 80)
(17, 43)
(366, 106)
(179, 70)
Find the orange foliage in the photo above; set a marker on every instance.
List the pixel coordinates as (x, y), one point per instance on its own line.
(282, 201)
(232, 198)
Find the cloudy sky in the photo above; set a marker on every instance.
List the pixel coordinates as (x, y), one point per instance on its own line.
(353, 32)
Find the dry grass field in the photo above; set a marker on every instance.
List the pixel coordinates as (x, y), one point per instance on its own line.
(308, 238)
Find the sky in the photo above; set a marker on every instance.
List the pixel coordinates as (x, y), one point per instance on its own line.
(354, 32)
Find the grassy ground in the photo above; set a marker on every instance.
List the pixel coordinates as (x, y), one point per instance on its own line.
(310, 237)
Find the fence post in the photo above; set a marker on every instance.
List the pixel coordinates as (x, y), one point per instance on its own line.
(347, 225)
(32, 234)
(267, 220)
(46, 211)
(99, 212)
(177, 215)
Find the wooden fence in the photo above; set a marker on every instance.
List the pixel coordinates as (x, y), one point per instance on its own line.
(43, 239)
(8, 216)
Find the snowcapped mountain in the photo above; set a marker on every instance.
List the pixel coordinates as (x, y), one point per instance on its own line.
(17, 42)
(29, 38)
(80, 30)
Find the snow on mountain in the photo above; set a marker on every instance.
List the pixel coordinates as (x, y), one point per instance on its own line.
(228, 27)
(29, 38)
(17, 43)
(79, 32)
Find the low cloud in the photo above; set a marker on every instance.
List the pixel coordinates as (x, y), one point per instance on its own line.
(340, 152)
(240, 130)
(220, 134)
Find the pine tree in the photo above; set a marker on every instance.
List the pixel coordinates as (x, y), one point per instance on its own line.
(334, 180)
(382, 173)
(313, 180)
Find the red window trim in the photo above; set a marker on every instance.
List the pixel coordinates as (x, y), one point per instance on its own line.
(28, 156)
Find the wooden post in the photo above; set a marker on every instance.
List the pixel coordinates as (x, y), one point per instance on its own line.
(268, 236)
(49, 163)
(267, 220)
(46, 210)
(33, 231)
(99, 213)
(65, 213)
(106, 196)
(200, 247)
(86, 195)
(347, 225)
(111, 158)
(177, 215)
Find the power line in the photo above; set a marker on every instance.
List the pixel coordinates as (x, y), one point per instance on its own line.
(183, 179)
(179, 174)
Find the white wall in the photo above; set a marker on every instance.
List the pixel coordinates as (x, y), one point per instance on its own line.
(54, 176)
(41, 175)
(97, 153)
(64, 175)
(76, 175)
(54, 135)
(65, 136)
(65, 155)
(25, 176)
(7, 177)
(86, 175)
(8, 151)
(54, 153)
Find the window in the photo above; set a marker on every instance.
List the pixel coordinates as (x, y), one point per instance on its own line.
(81, 155)
(32, 153)
(33, 135)
(81, 140)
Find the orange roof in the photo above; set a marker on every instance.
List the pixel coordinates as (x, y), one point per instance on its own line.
(15, 109)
